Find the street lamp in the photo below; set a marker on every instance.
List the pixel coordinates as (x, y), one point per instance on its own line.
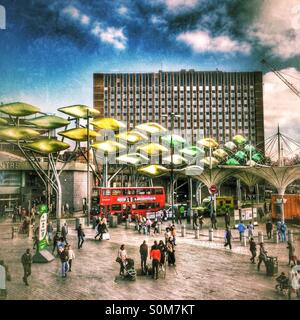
(173, 116)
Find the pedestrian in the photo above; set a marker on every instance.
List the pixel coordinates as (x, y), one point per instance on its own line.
(71, 256)
(155, 226)
(173, 234)
(144, 256)
(171, 252)
(122, 255)
(26, 260)
(250, 228)
(155, 255)
(55, 240)
(269, 229)
(252, 245)
(278, 226)
(227, 218)
(291, 250)
(167, 235)
(228, 237)
(64, 258)
(80, 236)
(263, 257)
(283, 231)
(163, 250)
(50, 231)
(181, 213)
(214, 221)
(165, 215)
(64, 232)
(241, 227)
(99, 230)
(195, 218)
(148, 226)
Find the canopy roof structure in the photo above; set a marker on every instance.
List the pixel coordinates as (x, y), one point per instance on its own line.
(19, 109)
(79, 111)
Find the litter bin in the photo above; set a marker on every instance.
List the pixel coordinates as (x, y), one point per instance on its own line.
(272, 266)
(113, 221)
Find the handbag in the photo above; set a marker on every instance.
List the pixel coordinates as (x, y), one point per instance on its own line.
(106, 236)
(118, 259)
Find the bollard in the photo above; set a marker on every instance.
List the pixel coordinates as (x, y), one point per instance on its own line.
(260, 237)
(183, 230)
(244, 241)
(127, 224)
(197, 233)
(290, 236)
(275, 237)
(211, 234)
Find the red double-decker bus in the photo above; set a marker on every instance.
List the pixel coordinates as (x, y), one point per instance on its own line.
(136, 200)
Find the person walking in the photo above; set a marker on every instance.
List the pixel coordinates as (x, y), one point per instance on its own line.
(283, 231)
(263, 257)
(163, 250)
(173, 234)
(195, 218)
(171, 252)
(99, 230)
(228, 237)
(252, 245)
(291, 250)
(144, 256)
(250, 228)
(71, 256)
(64, 232)
(148, 226)
(214, 221)
(168, 234)
(155, 255)
(80, 236)
(181, 213)
(26, 261)
(122, 255)
(278, 226)
(269, 229)
(50, 231)
(227, 218)
(55, 240)
(155, 226)
(64, 258)
(241, 227)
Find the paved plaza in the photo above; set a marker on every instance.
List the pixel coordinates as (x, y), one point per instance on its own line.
(204, 269)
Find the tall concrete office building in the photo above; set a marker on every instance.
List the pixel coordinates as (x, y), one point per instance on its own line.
(211, 103)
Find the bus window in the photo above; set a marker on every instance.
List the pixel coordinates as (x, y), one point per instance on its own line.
(116, 192)
(129, 192)
(116, 207)
(95, 193)
(158, 191)
(106, 192)
(133, 206)
(141, 191)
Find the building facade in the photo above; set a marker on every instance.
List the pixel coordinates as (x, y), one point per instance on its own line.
(217, 104)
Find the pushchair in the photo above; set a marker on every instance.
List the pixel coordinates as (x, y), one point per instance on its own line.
(129, 271)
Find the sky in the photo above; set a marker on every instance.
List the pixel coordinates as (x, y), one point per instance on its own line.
(49, 50)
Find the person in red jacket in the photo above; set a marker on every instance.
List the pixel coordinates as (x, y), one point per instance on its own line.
(155, 255)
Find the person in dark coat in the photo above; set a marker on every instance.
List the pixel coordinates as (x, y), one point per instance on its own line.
(252, 245)
(263, 257)
(64, 232)
(80, 236)
(144, 256)
(171, 252)
(26, 262)
(163, 250)
(195, 218)
(227, 219)
(269, 228)
(292, 257)
(55, 240)
(228, 238)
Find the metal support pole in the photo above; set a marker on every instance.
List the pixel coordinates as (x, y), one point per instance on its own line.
(88, 170)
